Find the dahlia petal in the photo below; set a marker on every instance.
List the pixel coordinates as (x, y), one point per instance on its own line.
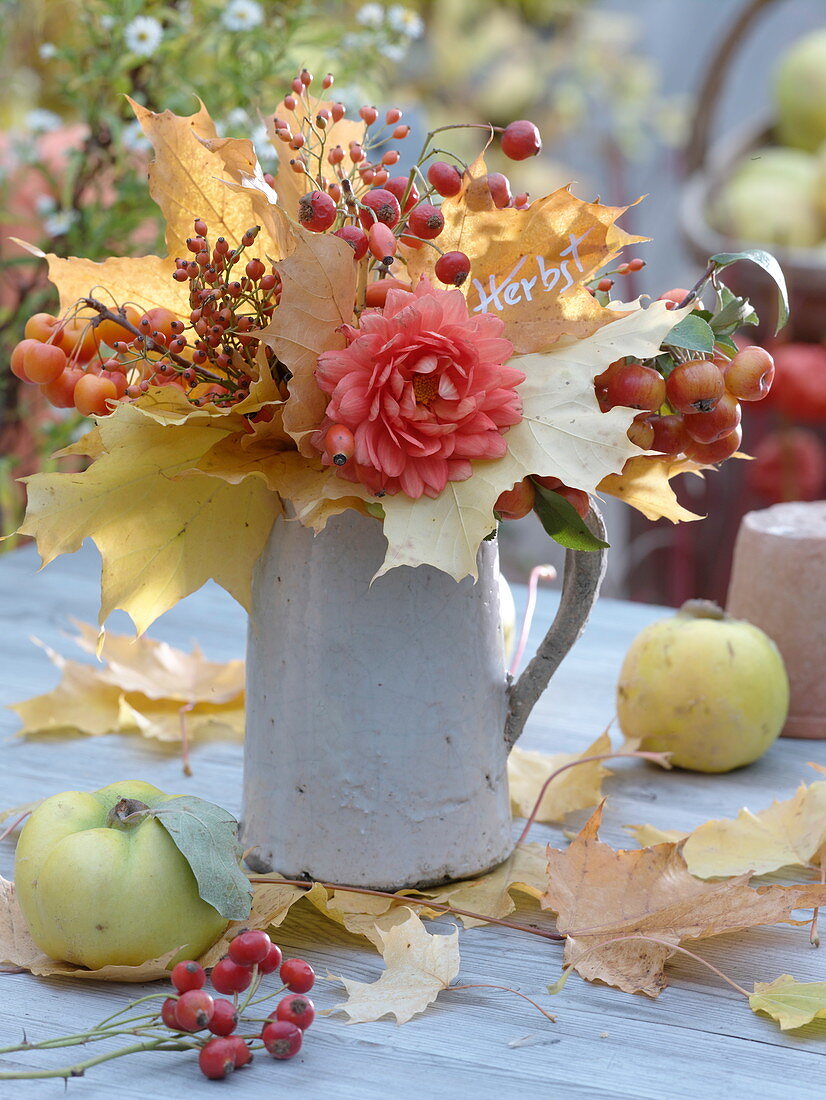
(412, 484)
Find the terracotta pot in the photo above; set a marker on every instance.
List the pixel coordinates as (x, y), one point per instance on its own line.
(778, 582)
(379, 716)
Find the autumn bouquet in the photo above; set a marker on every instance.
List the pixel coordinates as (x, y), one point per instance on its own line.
(424, 348)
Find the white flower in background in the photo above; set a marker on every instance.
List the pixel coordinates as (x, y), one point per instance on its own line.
(406, 22)
(59, 223)
(242, 15)
(394, 51)
(370, 15)
(133, 137)
(44, 204)
(108, 21)
(41, 121)
(237, 119)
(143, 35)
(261, 142)
(46, 51)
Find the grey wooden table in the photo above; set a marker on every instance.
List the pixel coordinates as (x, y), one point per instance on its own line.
(699, 1040)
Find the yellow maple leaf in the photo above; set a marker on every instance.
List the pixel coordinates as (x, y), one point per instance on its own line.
(524, 871)
(790, 1002)
(156, 531)
(418, 966)
(318, 293)
(575, 789)
(607, 902)
(788, 833)
(168, 720)
(81, 702)
(649, 835)
(529, 266)
(644, 484)
(563, 433)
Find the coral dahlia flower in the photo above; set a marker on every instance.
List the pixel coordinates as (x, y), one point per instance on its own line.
(424, 387)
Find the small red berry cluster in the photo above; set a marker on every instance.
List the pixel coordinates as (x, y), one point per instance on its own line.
(354, 195)
(250, 957)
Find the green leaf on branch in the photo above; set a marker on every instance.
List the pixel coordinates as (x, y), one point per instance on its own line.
(563, 523)
(770, 266)
(691, 334)
(207, 837)
(733, 312)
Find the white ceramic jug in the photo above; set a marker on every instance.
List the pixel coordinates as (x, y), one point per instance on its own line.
(380, 717)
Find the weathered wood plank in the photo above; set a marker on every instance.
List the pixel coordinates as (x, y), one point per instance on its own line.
(699, 1040)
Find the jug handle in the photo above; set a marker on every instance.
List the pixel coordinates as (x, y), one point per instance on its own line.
(584, 570)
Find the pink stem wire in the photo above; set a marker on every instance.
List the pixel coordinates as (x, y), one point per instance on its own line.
(539, 572)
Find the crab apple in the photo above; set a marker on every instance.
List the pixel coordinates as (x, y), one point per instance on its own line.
(282, 1039)
(382, 208)
(670, 436)
(426, 221)
(61, 392)
(516, 502)
(194, 1010)
(228, 977)
(718, 451)
(452, 268)
(355, 237)
(250, 947)
(158, 319)
(521, 140)
(695, 386)
(188, 974)
(297, 975)
(77, 338)
(799, 389)
(317, 211)
(750, 374)
(40, 326)
(108, 331)
(91, 394)
(242, 1053)
(500, 189)
(340, 444)
(216, 1059)
(641, 432)
(672, 297)
(444, 178)
(577, 498)
(636, 387)
(548, 482)
(376, 294)
(708, 427)
(18, 357)
(398, 186)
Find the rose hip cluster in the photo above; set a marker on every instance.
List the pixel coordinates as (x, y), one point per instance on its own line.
(251, 955)
(353, 193)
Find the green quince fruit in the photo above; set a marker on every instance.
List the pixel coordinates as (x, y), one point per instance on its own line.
(97, 890)
(710, 689)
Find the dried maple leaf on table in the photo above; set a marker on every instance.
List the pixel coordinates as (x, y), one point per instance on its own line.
(575, 789)
(144, 686)
(418, 967)
(563, 433)
(791, 1003)
(149, 566)
(786, 834)
(602, 895)
(524, 871)
(529, 266)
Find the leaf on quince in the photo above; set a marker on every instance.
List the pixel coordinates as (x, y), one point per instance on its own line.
(607, 902)
(578, 788)
(207, 837)
(789, 833)
(18, 950)
(562, 433)
(318, 293)
(418, 966)
(490, 895)
(791, 1003)
(529, 266)
(644, 484)
(148, 565)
